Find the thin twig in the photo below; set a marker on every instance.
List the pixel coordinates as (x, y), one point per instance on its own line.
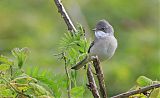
(92, 85)
(68, 77)
(142, 90)
(100, 76)
(65, 16)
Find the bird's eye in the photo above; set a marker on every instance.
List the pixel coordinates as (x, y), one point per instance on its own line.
(103, 28)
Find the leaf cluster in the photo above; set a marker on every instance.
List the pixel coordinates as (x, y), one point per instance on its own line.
(14, 82)
(143, 81)
(74, 45)
(73, 48)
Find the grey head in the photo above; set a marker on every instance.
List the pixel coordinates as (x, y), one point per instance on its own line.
(104, 26)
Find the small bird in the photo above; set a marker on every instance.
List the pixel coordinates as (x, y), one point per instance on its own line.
(103, 46)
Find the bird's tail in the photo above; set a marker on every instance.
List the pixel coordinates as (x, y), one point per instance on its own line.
(81, 63)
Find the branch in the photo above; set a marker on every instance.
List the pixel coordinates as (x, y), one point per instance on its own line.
(100, 76)
(65, 16)
(92, 85)
(141, 90)
(68, 77)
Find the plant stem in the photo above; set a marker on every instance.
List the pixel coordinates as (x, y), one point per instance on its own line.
(68, 77)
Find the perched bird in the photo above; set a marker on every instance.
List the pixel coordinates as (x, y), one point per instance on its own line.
(103, 46)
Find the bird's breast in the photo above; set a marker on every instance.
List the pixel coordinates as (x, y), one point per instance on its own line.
(104, 48)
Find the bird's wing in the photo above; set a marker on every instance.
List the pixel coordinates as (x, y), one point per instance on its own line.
(81, 63)
(84, 61)
(90, 46)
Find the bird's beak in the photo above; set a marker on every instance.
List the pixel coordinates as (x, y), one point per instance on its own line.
(94, 29)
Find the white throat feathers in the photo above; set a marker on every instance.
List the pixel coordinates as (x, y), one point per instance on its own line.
(101, 34)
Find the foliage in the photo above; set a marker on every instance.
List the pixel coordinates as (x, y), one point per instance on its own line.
(14, 82)
(21, 55)
(73, 48)
(37, 25)
(74, 45)
(143, 81)
(55, 83)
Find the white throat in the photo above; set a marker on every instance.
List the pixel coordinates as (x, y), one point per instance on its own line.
(101, 34)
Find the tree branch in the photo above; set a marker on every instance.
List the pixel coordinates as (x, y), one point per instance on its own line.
(92, 85)
(100, 76)
(141, 90)
(65, 16)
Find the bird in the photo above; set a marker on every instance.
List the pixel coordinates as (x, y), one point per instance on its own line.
(104, 44)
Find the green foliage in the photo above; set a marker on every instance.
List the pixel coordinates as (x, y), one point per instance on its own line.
(143, 81)
(54, 83)
(77, 92)
(36, 24)
(73, 48)
(14, 82)
(155, 93)
(21, 55)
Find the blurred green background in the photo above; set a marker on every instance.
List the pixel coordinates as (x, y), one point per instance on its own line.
(36, 24)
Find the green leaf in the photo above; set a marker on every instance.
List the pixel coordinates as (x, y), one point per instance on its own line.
(2, 87)
(45, 96)
(4, 67)
(20, 87)
(21, 55)
(7, 93)
(77, 92)
(39, 89)
(144, 81)
(5, 60)
(155, 93)
(24, 78)
(137, 96)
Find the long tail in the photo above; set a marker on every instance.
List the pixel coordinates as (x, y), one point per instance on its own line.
(81, 63)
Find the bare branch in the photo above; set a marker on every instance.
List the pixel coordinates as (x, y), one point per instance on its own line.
(100, 76)
(92, 85)
(65, 16)
(142, 90)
